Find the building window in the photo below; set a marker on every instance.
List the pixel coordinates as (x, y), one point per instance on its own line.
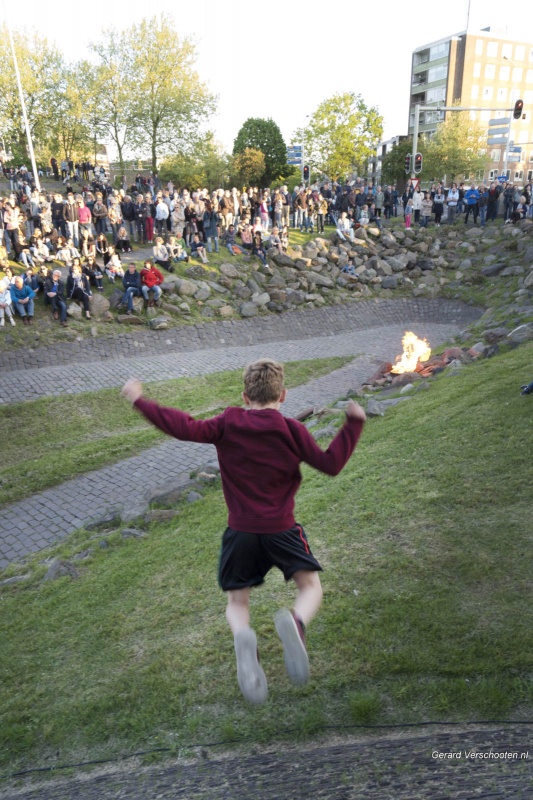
(490, 71)
(495, 155)
(493, 174)
(505, 73)
(507, 50)
(439, 51)
(502, 94)
(479, 48)
(485, 115)
(518, 176)
(523, 137)
(514, 94)
(477, 70)
(436, 95)
(520, 52)
(437, 73)
(421, 58)
(517, 74)
(529, 76)
(474, 92)
(492, 49)
(528, 97)
(530, 175)
(507, 174)
(531, 157)
(487, 93)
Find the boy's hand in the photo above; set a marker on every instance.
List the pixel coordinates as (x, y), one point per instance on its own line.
(132, 390)
(354, 411)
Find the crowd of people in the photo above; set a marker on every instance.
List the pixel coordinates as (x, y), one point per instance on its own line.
(90, 229)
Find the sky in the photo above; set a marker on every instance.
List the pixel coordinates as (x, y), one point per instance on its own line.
(282, 59)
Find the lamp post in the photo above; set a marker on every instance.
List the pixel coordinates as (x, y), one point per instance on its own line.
(24, 114)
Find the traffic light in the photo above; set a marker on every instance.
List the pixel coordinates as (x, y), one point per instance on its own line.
(518, 107)
(418, 162)
(306, 173)
(408, 162)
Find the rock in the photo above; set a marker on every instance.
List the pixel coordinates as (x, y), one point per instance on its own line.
(15, 579)
(406, 388)
(159, 323)
(132, 533)
(283, 260)
(390, 282)
(83, 554)
(129, 319)
(206, 477)
(512, 271)
(74, 311)
(192, 497)
(261, 298)
(319, 280)
(226, 311)
(329, 430)
(229, 271)
(492, 269)
(198, 272)
(202, 294)
(138, 305)
(161, 514)
(494, 335)
(253, 285)
(99, 305)
(405, 378)
(170, 308)
(185, 308)
(61, 569)
(295, 296)
(477, 350)
(523, 333)
(528, 282)
(187, 288)
(170, 283)
(377, 408)
(216, 287)
(248, 310)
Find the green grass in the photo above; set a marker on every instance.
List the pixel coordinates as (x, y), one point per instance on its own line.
(425, 538)
(72, 434)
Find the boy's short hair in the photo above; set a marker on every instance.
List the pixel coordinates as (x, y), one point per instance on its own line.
(263, 381)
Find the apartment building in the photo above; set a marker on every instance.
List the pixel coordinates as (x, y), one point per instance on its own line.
(487, 69)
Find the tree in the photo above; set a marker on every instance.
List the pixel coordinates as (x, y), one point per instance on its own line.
(264, 135)
(248, 167)
(67, 131)
(206, 165)
(341, 136)
(168, 101)
(393, 162)
(458, 149)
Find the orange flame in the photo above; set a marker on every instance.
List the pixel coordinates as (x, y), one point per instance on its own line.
(414, 350)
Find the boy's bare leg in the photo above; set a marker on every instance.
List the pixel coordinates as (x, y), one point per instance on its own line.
(309, 596)
(291, 626)
(238, 609)
(250, 675)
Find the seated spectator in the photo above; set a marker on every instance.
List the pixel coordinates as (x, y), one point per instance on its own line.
(364, 217)
(8, 273)
(344, 225)
(132, 287)
(229, 241)
(258, 249)
(39, 250)
(161, 255)
(257, 227)
(78, 288)
(349, 269)
(275, 240)
(151, 280)
(113, 265)
(24, 255)
(68, 253)
(54, 294)
(122, 243)
(176, 249)
(42, 276)
(247, 239)
(94, 273)
(198, 249)
(87, 244)
(22, 299)
(284, 236)
(5, 302)
(30, 279)
(102, 246)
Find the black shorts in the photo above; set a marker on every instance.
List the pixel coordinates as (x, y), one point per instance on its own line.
(245, 558)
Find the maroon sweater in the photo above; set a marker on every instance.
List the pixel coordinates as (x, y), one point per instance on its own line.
(259, 453)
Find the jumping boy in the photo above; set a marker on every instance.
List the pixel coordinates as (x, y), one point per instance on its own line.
(259, 452)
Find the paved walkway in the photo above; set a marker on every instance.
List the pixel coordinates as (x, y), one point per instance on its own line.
(489, 763)
(40, 520)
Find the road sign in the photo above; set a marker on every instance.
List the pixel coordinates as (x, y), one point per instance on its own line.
(514, 157)
(503, 178)
(296, 150)
(502, 121)
(502, 140)
(294, 162)
(498, 132)
(514, 148)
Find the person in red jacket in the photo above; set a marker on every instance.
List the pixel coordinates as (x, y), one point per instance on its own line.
(151, 280)
(259, 452)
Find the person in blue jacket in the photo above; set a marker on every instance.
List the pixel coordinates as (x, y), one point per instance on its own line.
(471, 201)
(132, 286)
(22, 297)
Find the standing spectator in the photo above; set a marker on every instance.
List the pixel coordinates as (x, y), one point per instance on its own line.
(438, 205)
(451, 203)
(492, 202)
(471, 203)
(417, 204)
(211, 221)
(100, 214)
(162, 214)
(12, 219)
(379, 200)
(425, 210)
(132, 287)
(128, 215)
(408, 211)
(482, 204)
(148, 215)
(151, 280)
(114, 215)
(286, 209)
(322, 210)
(71, 216)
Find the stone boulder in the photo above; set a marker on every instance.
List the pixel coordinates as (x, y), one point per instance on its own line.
(249, 310)
(159, 323)
(99, 305)
(130, 319)
(283, 260)
(74, 311)
(187, 288)
(198, 272)
(229, 271)
(319, 280)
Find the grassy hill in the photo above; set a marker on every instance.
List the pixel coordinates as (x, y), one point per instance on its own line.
(425, 539)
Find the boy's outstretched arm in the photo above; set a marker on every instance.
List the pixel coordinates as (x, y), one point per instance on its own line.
(172, 421)
(332, 460)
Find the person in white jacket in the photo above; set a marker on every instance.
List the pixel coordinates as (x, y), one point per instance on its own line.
(5, 302)
(417, 204)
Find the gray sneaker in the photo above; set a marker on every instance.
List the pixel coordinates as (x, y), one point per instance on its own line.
(250, 675)
(290, 631)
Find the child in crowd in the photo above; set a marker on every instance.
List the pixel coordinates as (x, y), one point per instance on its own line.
(258, 249)
(5, 302)
(198, 249)
(113, 265)
(408, 212)
(122, 243)
(275, 240)
(176, 249)
(259, 452)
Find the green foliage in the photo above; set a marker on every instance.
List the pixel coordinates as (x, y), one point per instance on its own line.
(393, 163)
(204, 165)
(248, 167)
(458, 150)
(264, 135)
(341, 135)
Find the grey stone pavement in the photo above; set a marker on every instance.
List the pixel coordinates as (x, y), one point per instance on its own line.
(125, 489)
